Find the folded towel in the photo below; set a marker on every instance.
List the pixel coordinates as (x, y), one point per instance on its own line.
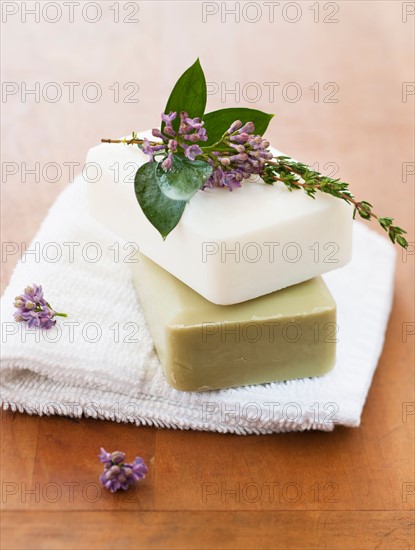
(100, 361)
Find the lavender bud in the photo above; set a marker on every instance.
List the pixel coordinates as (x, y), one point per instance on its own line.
(172, 145)
(156, 133)
(191, 137)
(114, 470)
(245, 174)
(225, 161)
(195, 123)
(117, 457)
(202, 134)
(167, 162)
(234, 126)
(18, 317)
(184, 128)
(168, 119)
(248, 128)
(239, 148)
(240, 138)
(169, 131)
(18, 302)
(241, 157)
(29, 305)
(29, 290)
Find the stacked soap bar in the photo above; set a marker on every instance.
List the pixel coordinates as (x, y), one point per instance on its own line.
(232, 296)
(203, 346)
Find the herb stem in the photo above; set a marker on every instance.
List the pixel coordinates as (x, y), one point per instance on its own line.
(134, 141)
(283, 170)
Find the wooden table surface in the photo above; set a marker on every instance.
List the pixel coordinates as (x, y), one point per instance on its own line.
(344, 98)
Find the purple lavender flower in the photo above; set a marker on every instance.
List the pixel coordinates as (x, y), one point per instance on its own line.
(234, 126)
(169, 131)
(249, 128)
(199, 135)
(190, 130)
(239, 148)
(240, 138)
(34, 310)
(118, 474)
(230, 169)
(184, 126)
(202, 134)
(151, 150)
(240, 157)
(167, 162)
(248, 156)
(104, 457)
(232, 181)
(172, 145)
(191, 137)
(168, 119)
(195, 123)
(191, 151)
(147, 149)
(156, 133)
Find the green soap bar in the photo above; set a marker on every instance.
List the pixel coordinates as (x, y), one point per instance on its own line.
(202, 346)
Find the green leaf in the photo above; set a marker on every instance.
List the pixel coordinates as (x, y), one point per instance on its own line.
(163, 213)
(184, 179)
(217, 122)
(188, 94)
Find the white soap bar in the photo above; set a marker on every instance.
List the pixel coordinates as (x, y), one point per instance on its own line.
(229, 246)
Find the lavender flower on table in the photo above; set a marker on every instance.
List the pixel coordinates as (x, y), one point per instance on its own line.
(117, 473)
(34, 310)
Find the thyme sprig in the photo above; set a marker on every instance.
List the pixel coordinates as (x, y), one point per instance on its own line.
(296, 175)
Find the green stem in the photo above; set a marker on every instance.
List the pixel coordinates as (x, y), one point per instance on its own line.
(317, 182)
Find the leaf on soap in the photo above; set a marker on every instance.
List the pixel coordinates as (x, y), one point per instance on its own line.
(188, 94)
(163, 213)
(185, 177)
(217, 122)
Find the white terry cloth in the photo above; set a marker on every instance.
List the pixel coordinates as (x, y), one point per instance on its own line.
(91, 363)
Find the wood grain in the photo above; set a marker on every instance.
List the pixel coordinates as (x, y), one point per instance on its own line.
(350, 489)
(201, 530)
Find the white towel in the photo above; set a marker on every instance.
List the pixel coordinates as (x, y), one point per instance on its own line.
(96, 364)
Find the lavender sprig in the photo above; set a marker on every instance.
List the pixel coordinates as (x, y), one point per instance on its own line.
(187, 159)
(34, 310)
(119, 474)
(240, 153)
